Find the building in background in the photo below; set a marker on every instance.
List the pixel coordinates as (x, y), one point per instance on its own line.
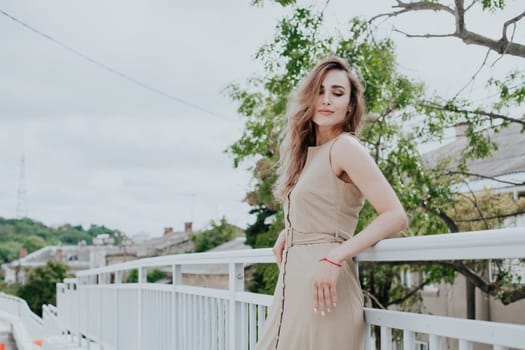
(502, 172)
(79, 257)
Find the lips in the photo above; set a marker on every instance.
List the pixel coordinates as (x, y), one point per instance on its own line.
(325, 112)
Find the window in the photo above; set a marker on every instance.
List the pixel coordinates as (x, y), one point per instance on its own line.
(421, 345)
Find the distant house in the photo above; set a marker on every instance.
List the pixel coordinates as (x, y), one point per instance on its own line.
(79, 257)
(171, 242)
(103, 239)
(503, 172)
(216, 275)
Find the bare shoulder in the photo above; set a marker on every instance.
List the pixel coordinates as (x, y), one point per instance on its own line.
(346, 144)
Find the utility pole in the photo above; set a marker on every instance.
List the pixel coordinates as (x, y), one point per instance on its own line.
(21, 204)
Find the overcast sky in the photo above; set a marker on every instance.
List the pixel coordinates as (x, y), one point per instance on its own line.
(100, 149)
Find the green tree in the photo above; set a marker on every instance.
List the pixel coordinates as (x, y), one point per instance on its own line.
(33, 235)
(480, 115)
(152, 276)
(9, 288)
(9, 250)
(218, 234)
(40, 286)
(393, 100)
(32, 243)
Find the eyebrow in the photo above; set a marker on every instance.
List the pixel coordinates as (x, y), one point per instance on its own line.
(335, 86)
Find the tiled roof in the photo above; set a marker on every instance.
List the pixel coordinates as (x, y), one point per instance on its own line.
(508, 158)
(218, 269)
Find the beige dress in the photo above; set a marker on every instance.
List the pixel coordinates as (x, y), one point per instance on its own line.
(321, 211)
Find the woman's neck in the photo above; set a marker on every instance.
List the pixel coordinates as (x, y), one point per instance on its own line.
(324, 134)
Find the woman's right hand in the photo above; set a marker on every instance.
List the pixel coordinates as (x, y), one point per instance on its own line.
(278, 247)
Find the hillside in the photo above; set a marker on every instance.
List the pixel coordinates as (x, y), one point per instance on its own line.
(33, 235)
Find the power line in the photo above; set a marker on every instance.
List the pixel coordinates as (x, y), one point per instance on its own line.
(113, 70)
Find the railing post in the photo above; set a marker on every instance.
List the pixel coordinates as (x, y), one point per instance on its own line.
(100, 282)
(465, 345)
(176, 279)
(236, 279)
(368, 337)
(79, 312)
(409, 339)
(177, 274)
(436, 342)
(118, 280)
(386, 338)
(142, 278)
(118, 277)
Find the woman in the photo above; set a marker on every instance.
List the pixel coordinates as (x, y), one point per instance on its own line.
(324, 176)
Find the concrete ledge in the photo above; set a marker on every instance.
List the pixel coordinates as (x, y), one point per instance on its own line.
(22, 339)
(65, 342)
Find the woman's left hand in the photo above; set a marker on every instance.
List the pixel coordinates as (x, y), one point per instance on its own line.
(325, 293)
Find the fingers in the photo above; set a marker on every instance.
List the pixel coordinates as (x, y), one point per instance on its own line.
(322, 304)
(325, 298)
(278, 249)
(328, 298)
(333, 295)
(278, 256)
(316, 299)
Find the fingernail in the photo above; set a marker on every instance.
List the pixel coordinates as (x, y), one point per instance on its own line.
(315, 309)
(322, 313)
(328, 310)
(334, 304)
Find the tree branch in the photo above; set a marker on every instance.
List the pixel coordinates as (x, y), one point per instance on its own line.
(373, 297)
(501, 46)
(509, 22)
(510, 296)
(485, 177)
(501, 216)
(423, 6)
(493, 289)
(451, 224)
(424, 35)
(476, 112)
(415, 6)
(410, 293)
(470, 6)
(460, 16)
(474, 75)
(474, 201)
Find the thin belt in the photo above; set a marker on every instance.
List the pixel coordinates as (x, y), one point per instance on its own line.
(295, 237)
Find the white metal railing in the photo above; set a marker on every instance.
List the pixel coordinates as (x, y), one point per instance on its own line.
(50, 320)
(25, 325)
(144, 315)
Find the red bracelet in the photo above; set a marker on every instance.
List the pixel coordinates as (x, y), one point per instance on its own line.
(330, 261)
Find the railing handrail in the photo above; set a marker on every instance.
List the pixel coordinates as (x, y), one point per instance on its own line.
(91, 307)
(487, 244)
(485, 332)
(23, 308)
(23, 321)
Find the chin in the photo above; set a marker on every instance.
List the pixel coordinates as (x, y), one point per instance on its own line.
(325, 122)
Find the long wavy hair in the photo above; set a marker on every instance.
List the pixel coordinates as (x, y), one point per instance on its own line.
(299, 132)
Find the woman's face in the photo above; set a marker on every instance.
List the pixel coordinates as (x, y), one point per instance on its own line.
(332, 102)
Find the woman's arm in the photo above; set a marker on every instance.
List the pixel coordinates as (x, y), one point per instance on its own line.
(278, 247)
(349, 156)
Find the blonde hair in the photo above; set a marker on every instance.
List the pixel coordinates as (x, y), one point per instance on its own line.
(299, 132)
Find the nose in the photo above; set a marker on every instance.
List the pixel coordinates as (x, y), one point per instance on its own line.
(325, 98)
